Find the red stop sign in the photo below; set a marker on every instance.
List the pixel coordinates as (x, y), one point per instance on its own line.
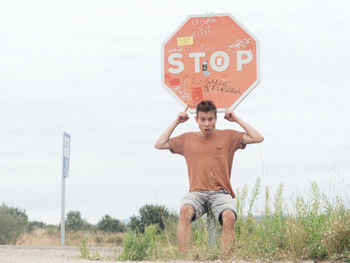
(210, 57)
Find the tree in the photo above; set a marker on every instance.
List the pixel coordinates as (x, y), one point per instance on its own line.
(110, 224)
(74, 222)
(135, 224)
(12, 224)
(149, 215)
(32, 225)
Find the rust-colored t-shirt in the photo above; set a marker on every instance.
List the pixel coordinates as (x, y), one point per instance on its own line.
(209, 160)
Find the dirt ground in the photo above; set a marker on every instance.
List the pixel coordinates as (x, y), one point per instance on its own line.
(54, 254)
(48, 254)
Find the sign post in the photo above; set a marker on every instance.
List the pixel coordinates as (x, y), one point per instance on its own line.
(65, 172)
(210, 57)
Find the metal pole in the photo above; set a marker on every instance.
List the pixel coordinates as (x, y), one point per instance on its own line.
(211, 228)
(65, 172)
(62, 209)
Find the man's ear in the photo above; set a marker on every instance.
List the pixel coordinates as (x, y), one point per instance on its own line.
(196, 118)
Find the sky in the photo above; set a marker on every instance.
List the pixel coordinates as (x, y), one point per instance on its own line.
(93, 69)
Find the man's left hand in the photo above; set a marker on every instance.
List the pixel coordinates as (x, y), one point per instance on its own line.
(230, 116)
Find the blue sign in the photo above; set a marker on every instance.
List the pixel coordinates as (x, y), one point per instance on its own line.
(66, 154)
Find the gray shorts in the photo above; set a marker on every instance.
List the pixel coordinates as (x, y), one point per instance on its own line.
(216, 201)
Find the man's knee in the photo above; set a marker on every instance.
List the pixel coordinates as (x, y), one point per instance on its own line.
(186, 213)
(228, 218)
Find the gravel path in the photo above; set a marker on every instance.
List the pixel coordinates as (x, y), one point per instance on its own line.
(48, 254)
(55, 254)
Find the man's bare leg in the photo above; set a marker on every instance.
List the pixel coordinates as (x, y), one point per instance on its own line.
(228, 231)
(184, 232)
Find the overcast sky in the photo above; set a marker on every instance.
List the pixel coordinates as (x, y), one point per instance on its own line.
(93, 69)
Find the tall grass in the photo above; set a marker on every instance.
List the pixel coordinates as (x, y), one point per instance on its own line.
(51, 237)
(315, 228)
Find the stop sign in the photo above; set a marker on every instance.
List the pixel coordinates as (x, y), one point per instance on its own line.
(210, 57)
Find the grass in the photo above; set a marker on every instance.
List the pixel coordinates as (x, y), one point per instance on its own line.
(314, 228)
(52, 237)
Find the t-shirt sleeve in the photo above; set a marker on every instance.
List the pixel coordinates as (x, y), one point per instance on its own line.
(237, 137)
(177, 144)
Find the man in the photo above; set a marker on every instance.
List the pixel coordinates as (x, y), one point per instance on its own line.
(209, 155)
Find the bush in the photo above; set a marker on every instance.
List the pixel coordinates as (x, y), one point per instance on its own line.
(135, 224)
(84, 251)
(31, 226)
(137, 246)
(109, 224)
(74, 222)
(12, 224)
(149, 215)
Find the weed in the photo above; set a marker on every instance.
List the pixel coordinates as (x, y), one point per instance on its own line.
(84, 251)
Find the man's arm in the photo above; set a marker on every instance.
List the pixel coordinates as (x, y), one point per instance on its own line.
(251, 136)
(163, 141)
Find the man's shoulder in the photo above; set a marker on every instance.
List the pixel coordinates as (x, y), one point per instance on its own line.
(228, 131)
(185, 135)
(191, 133)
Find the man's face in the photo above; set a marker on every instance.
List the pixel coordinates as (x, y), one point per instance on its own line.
(206, 122)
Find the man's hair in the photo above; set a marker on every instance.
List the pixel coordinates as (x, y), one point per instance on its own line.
(206, 106)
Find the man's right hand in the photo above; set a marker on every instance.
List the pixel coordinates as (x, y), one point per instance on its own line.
(163, 141)
(182, 117)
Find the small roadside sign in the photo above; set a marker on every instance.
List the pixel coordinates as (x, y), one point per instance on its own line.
(66, 154)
